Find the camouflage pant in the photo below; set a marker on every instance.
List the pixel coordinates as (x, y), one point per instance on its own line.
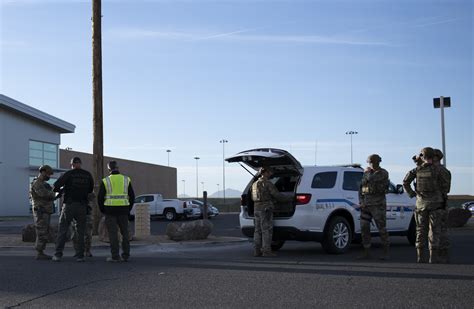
(42, 220)
(263, 233)
(87, 234)
(428, 221)
(444, 237)
(379, 214)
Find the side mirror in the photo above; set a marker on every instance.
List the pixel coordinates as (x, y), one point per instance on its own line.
(400, 189)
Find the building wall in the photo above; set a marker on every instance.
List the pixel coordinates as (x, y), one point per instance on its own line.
(146, 178)
(15, 133)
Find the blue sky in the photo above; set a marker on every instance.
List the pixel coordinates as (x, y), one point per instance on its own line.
(184, 74)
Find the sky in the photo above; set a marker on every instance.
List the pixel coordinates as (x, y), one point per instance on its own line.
(290, 74)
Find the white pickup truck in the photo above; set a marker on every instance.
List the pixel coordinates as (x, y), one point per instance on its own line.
(171, 209)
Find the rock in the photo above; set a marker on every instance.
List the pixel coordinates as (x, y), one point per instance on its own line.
(458, 217)
(104, 234)
(192, 230)
(28, 233)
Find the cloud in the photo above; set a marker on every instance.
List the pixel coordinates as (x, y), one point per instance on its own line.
(237, 36)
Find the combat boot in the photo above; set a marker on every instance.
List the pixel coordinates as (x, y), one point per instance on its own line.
(88, 254)
(257, 252)
(268, 254)
(42, 256)
(420, 256)
(434, 256)
(365, 254)
(385, 255)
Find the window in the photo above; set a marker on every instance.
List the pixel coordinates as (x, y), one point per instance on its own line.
(43, 153)
(352, 181)
(144, 199)
(325, 180)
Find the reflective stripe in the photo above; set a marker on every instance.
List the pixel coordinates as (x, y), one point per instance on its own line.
(125, 184)
(109, 184)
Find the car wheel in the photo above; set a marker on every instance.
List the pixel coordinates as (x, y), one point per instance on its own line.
(277, 244)
(412, 232)
(337, 236)
(170, 214)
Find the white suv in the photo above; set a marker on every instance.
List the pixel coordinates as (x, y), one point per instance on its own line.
(326, 207)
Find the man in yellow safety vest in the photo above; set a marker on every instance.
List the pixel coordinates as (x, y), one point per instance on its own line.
(115, 201)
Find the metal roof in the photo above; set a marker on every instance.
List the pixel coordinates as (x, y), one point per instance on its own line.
(32, 113)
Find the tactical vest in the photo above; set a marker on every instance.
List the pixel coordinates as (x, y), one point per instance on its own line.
(116, 187)
(258, 193)
(426, 179)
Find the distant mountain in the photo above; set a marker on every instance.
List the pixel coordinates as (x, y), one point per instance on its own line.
(230, 193)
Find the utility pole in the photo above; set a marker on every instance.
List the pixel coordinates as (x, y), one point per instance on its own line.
(98, 129)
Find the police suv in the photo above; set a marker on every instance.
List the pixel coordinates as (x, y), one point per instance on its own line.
(326, 207)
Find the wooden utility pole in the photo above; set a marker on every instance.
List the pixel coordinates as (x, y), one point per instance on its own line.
(98, 130)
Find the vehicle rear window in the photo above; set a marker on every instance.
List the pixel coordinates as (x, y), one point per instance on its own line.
(352, 181)
(324, 180)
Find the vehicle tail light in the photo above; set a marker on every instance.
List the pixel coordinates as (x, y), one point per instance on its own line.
(302, 199)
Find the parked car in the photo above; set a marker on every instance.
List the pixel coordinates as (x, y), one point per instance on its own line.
(171, 209)
(325, 207)
(194, 210)
(211, 210)
(469, 206)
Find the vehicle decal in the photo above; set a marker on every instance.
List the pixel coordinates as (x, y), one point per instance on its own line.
(329, 204)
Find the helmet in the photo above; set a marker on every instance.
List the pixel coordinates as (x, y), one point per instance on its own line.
(374, 158)
(46, 168)
(438, 153)
(427, 153)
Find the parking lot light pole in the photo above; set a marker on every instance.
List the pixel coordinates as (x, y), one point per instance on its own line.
(217, 190)
(441, 103)
(184, 187)
(223, 142)
(197, 177)
(351, 133)
(168, 151)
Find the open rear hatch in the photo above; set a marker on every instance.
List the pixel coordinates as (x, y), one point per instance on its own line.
(286, 175)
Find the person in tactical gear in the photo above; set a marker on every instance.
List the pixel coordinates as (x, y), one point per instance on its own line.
(432, 187)
(373, 204)
(264, 193)
(42, 199)
(443, 250)
(76, 184)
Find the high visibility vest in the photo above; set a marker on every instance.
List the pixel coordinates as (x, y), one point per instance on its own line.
(116, 187)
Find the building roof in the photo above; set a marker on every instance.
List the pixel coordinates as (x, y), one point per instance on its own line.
(37, 115)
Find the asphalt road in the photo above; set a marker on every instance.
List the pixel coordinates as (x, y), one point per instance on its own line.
(227, 276)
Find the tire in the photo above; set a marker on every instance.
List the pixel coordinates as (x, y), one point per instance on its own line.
(169, 214)
(337, 236)
(412, 232)
(277, 244)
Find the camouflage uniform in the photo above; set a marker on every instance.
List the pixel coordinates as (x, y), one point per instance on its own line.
(444, 237)
(432, 187)
(42, 197)
(264, 193)
(373, 203)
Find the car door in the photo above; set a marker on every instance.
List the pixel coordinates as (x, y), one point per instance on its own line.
(149, 200)
(397, 213)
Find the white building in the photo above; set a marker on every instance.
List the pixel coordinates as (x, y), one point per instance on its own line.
(29, 138)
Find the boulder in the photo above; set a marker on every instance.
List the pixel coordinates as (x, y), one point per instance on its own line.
(104, 234)
(28, 233)
(458, 217)
(193, 230)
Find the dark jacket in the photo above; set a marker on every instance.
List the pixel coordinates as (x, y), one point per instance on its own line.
(76, 184)
(115, 210)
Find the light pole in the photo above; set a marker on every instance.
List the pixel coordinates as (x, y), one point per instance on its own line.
(441, 103)
(168, 151)
(197, 177)
(184, 187)
(223, 142)
(217, 188)
(351, 133)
